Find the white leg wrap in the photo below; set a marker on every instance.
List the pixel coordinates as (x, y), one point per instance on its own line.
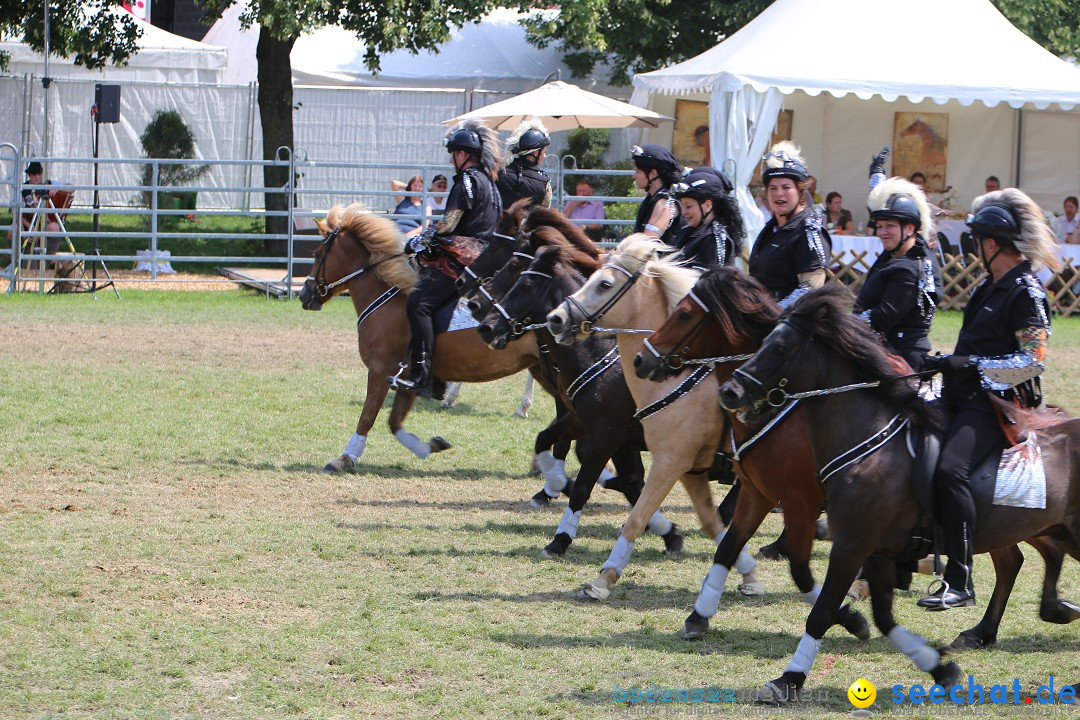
(605, 475)
(620, 555)
(552, 470)
(659, 524)
(355, 447)
(811, 597)
(915, 647)
(745, 563)
(708, 600)
(569, 523)
(419, 448)
(805, 655)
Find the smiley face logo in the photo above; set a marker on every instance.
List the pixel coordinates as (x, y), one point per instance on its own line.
(862, 693)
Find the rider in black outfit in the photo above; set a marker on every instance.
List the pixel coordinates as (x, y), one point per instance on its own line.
(472, 212)
(714, 231)
(522, 177)
(793, 249)
(655, 171)
(1001, 349)
(899, 295)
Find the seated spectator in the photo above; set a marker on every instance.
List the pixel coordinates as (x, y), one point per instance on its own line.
(35, 175)
(586, 210)
(838, 221)
(758, 191)
(919, 179)
(436, 205)
(410, 205)
(1068, 224)
(812, 198)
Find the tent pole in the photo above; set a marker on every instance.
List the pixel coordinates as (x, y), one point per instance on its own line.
(1019, 145)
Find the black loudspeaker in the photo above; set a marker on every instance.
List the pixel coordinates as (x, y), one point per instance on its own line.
(107, 99)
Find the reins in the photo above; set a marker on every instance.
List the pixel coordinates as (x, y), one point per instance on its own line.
(322, 288)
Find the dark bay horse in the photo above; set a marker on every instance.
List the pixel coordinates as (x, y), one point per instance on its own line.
(725, 317)
(633, 291)
(590, 378)
(364, 253)
(866, 468)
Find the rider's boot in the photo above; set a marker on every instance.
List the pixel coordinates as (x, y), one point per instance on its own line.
(957, 589)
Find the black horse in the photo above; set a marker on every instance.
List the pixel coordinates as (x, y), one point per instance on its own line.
(867, 469)
(589, 378)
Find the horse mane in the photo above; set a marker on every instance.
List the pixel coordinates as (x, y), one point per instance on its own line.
(382, 239)
(639, 253)
(826, 311)
(739, 304)
(549, 217)
(569, 253)
(511, 219)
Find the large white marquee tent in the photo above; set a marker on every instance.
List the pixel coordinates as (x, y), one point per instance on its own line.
(844, 67)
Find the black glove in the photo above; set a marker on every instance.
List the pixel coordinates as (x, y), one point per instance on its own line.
(947, 364)
(426, 244)
(877, 165)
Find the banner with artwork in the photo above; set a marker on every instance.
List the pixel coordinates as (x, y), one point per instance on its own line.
(921, 145)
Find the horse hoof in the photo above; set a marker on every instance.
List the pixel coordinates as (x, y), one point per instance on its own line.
(1061, 612)
(776, 693)
(854, 622)
(342, 464)
(772, 551)
(947, 675)
(540, 501)
(593, 593)
(821, 530)
(969, 640)
(557, 547)
(438, 444)
(673, 541)
(752, 589)
(859, 590)
(695, 627)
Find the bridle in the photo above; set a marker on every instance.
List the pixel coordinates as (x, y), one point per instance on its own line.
(318, 276)
(588, 322)
(520, 327)
(469, 273)
(672, 362)
(481, 282)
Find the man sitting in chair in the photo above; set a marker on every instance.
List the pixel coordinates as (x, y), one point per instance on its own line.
(35, 175)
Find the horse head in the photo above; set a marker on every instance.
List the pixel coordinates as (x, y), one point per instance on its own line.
(725, 315)
(354, 242)
(536, 290)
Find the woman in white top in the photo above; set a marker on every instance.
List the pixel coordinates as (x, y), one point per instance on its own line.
(1068, 225)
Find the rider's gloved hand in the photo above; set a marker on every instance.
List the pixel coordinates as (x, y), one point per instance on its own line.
(423, 243)
(948, 364)
(877, 167)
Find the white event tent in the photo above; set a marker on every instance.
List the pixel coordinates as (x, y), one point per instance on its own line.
(845, 66)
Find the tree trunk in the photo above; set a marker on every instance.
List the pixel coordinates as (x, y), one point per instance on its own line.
(275, 112)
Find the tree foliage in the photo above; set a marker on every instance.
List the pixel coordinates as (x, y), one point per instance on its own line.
(1054, 24)
(94, 32)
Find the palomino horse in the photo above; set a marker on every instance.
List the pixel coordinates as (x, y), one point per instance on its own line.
(724, 318)
(364, 253)
(821, 349)
(634, 290)
(590, 379)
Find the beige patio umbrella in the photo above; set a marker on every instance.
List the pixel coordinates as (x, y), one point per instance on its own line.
(562, 106)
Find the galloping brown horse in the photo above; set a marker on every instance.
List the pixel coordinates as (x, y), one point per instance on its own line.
(725, 317)
(819, 347)
(364, 253)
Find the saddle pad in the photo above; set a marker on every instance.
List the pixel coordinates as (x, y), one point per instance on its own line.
(453, 315)
(1021, 476)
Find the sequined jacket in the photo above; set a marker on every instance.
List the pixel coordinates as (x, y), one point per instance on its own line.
(899, 297)
(706, 245)
(645, 211)
(781, 254)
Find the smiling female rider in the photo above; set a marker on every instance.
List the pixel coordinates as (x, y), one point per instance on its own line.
(655, 171)
(899, 294)
(714, 231)
(792, 250)
(1001, 350)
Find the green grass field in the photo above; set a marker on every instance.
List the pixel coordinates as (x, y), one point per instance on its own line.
(169, 549)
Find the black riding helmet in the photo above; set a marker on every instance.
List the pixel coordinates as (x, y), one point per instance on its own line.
(655, 157)
(464, 139)
(995, 221)
(530, 141)
(703, 183)
(900, 207)
(778, 164)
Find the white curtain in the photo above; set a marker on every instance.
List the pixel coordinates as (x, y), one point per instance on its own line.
(741, 123)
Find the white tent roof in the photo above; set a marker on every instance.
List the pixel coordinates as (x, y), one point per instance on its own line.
(490, 55)
(161, 57)
(922, 49)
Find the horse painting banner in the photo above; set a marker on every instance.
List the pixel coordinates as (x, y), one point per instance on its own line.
(921, 144)
(690, 143)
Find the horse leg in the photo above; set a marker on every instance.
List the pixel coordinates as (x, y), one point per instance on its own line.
(561, 430)
(1053, 609)
(697, 487)
(1007, 563)
(665, 470)
(594, 452)
(453, 392)
(750, 511)
(373, 401)
(630, 480)
(526, 399)
(726, 508)
(403, 402)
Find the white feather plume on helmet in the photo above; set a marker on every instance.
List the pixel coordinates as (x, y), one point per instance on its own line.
(784, 160)
(878, 202)
(1035, 240)
(529, 123)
